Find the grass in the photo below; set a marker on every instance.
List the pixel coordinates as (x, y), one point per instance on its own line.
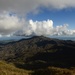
(54, 71)
(10, 69)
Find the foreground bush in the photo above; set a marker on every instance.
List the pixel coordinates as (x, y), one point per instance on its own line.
(54, 71)
(10, 69)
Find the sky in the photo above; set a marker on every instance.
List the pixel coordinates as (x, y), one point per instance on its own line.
(60, 17)
(37, 17)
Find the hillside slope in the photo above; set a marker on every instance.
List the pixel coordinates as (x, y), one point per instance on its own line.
(10, 69)
(39, 52)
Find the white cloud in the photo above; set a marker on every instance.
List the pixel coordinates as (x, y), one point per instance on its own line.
(25, 6)
(13, 25)
(40, 27)
(44, 28)
(9, 24)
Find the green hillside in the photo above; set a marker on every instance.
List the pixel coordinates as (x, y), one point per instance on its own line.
(36, 55)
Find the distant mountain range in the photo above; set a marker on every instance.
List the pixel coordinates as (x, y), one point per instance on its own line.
(39, 52)
(4, 40)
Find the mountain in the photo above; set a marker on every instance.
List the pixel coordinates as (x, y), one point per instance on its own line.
(39, 52)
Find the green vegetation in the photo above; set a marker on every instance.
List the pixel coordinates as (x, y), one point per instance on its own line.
(37, 56)
(54, 71)
(10, 69)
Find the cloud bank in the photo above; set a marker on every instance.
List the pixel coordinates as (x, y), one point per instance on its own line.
(25, 6)
(9, 24)
(13, 25)
(45, 28)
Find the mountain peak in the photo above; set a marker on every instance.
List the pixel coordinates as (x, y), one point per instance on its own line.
(41, 37)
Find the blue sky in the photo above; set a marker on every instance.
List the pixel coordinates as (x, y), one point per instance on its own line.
(39, 17)
(59, 17)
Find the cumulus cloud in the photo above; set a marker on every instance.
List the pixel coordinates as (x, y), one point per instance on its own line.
(14, 25)
(39, 27)
(25, 6)
(9, 24)
(45, 28)
(62, 30)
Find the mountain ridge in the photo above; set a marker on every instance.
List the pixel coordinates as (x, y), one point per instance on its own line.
(38, 52)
